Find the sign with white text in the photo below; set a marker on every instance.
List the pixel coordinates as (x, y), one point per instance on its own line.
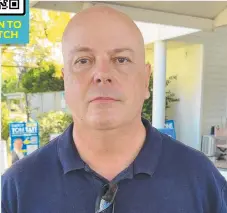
(14, 21)
(27, 133)
(169, 129)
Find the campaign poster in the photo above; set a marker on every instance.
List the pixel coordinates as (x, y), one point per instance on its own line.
(24, 138)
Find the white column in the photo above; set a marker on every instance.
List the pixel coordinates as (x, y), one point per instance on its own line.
(159, 84)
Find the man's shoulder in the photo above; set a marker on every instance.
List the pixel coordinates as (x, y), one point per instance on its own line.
(183, 154)
(193, 173)
(188, 160)
(38, 161)
(180, 151)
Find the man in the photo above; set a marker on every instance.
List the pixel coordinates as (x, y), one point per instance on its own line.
(109, 159)
(17, 153)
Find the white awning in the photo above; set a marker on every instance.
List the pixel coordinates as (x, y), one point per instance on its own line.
(203, 15)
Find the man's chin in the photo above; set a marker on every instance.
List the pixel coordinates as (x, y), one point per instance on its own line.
(104, 123)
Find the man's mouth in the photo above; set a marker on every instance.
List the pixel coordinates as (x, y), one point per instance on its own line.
(103, 99)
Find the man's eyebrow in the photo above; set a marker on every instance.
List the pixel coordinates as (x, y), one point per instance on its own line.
(119, 50)
(88, 49)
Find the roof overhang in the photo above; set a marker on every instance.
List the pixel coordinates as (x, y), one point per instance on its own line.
(198, 15)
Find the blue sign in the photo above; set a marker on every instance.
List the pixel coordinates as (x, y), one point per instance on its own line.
(169, 129)
(14, 21)
(169, 132)
(24, 137)
(169, 124)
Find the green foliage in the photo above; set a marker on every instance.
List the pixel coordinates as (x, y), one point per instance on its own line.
(5, 121)
(170, 98)
(8, 69)
(42, 79)
(11, 85)
(52, 122)
(45, 32)
(56, 25)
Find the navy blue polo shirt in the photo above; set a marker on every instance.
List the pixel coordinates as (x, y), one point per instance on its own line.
(166, 176)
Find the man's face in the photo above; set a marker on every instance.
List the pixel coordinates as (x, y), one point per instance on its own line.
(105, 77)
(18, 144)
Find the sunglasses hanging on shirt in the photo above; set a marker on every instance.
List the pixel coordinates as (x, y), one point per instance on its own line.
(106, 198)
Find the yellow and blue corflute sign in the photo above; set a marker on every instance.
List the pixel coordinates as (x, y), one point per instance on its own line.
(27, 133)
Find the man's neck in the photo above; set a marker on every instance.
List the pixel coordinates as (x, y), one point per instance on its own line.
(110, 152)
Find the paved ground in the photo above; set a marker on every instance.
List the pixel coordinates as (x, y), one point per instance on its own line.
(221, 164)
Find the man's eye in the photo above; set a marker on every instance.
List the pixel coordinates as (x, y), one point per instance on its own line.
(82, 61)
(122, 60)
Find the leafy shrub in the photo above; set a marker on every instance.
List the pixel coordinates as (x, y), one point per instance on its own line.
(170, 98)
(42, 79)
(52, 122)
(5, 121)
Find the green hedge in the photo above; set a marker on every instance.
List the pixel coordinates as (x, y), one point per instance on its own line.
(5, 121)
(52, 122)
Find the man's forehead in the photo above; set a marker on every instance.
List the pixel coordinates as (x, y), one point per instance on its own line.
(78, 49)
(111, 31)
(109, 42)
(98, 42)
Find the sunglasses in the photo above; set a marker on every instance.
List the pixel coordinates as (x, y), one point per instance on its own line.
(106, 198)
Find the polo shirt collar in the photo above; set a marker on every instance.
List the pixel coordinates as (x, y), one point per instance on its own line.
(67, 152)
(146, 162)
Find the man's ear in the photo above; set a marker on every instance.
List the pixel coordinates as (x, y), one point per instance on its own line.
(62, 72)
(148, 71)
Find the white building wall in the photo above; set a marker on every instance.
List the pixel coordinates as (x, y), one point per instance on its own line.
(214, 83)
(186, 63)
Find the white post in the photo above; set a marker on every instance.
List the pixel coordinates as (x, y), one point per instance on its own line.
(159, 84)
(63, 104)
(3, 157)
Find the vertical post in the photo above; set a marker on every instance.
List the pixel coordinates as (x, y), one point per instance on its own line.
(27, 110)
(159, 85)
(63, 104)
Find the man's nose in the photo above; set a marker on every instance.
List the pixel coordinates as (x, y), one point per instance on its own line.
(103, 74)
(102, 79)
